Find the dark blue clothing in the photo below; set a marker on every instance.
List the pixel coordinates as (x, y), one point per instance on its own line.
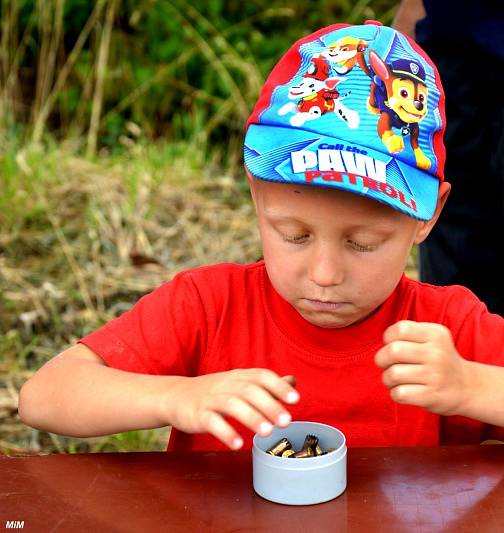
(477, 21)
(466, 246)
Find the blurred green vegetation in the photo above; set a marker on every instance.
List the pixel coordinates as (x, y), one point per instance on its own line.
(97, 71)
(81, 241)
(121, 127)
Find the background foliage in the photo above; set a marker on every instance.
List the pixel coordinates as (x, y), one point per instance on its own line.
(176, 69)
(121, 125)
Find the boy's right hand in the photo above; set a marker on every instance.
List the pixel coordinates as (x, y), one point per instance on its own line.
(252, 396)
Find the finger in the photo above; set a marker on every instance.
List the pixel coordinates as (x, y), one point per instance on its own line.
(404, 375)
(400, 352)
(215, 424)
(277, 386)
(263, 401)
(291, 380)
(246, 414)
(409, 330)
(411, 394)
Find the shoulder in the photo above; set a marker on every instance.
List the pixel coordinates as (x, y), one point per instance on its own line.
(428, 291)
(207, 287)
(472, 326)
(439, 301)
(221, 282)
(220, 291)
(223, 274)
(457, 308)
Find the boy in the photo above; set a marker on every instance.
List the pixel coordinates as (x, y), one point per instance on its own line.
(344, 157)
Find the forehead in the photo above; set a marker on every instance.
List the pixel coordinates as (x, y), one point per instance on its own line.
(309, 202)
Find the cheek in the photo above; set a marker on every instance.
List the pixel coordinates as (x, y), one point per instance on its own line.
(284, 267)
(377, 276)
(372, 288)
(281, 262)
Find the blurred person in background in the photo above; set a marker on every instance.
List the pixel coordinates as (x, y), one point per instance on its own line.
(466, 41)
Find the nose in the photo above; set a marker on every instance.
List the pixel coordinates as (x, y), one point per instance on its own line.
(326, 266)
(418, 105)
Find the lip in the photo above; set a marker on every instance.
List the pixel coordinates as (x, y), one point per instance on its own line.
(321, 305)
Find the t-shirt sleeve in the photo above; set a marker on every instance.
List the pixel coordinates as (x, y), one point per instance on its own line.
(164, 333)
(478, 336)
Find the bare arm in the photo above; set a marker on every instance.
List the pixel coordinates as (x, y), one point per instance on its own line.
(408, 14)
(76, 394)
(486, 399)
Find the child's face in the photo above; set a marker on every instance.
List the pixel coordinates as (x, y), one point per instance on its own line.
(333, 255)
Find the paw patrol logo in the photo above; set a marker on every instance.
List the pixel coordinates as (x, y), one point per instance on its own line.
(414, 68)
(355, 169)
(340, 160)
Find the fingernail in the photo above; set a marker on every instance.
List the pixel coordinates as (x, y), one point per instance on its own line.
(237, 443)
(284, 419)
(292, 396)
(265, 428)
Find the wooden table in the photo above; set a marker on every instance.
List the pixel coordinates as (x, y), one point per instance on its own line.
(452, 488)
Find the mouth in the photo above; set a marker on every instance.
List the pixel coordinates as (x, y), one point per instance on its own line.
(325, 305)
(412, 115)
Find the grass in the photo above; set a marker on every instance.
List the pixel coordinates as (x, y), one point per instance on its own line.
(83, 70)
(81, 240)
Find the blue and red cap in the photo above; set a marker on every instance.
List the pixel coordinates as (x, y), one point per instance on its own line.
(357, 108)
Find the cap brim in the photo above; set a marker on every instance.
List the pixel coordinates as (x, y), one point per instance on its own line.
(287, 155)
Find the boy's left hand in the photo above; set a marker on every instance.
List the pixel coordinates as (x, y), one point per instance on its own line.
(423, 368)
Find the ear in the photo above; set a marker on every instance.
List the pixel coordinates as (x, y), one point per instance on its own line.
(425, 227)
(379, 66)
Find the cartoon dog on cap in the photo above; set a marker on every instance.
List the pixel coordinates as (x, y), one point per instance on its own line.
(316, 95)
(344, 53)
(399, 95)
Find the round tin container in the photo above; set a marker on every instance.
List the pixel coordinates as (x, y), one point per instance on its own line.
(300, 481)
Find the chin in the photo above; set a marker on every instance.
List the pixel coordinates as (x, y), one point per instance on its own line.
(330, 322)
(334, 320)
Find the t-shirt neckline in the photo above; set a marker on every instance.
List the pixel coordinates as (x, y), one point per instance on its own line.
(350, 341)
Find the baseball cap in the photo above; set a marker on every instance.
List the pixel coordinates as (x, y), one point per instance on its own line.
(358, 108)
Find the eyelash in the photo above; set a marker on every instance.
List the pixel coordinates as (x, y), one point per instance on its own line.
(300, 239)
(295, 239)
(360, 247)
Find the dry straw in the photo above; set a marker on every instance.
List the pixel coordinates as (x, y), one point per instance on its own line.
(111, 233)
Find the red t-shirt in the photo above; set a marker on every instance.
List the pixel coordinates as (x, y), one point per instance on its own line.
(227, 316)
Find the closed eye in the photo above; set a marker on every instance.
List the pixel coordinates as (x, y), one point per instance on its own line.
(295, 239)
(361, 247)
